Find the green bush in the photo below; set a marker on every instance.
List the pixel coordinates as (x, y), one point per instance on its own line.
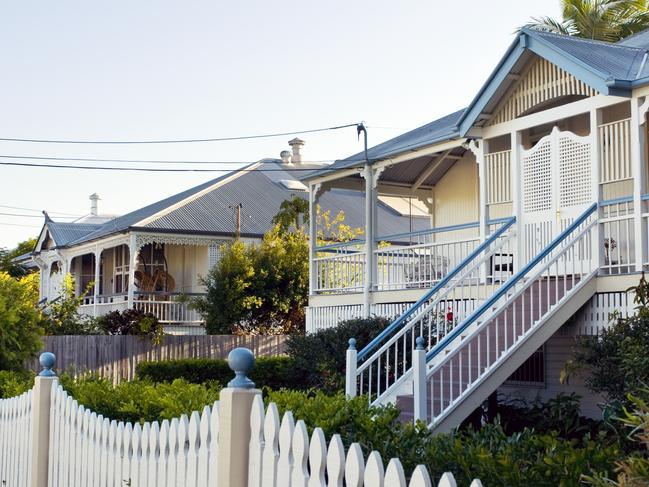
(141, 400)
(523, 459)
(272, 372)
(14, 383)
(131, 322)
(320, 357)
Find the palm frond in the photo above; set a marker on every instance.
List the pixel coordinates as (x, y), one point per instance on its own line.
(546, 24)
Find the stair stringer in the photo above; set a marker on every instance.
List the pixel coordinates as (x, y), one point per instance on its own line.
(492, 379)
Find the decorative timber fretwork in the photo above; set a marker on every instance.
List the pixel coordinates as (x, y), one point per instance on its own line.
(148, 238)
(540, 83)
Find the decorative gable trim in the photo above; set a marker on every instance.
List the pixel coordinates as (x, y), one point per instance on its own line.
(543, 81)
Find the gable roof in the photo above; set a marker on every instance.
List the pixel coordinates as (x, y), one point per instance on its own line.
(609, 68)
(206, 209)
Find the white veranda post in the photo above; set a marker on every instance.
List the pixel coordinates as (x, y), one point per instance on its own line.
(132, 253)
(96, 285)
(314, 189)
(370, 235)
(638, 170)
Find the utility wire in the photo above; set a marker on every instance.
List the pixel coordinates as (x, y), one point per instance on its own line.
(178, 141)
(139, 161)
(39, 211)
(23, 215)
(145, 169)
(18, 225)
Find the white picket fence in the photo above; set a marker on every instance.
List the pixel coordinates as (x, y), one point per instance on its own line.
(47, 439)
(15, 428)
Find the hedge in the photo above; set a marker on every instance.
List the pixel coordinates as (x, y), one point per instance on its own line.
(273, 372)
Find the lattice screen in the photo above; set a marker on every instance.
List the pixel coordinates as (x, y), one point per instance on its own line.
(537, 177)
(214, 254)
(574, 171)
(542, 82)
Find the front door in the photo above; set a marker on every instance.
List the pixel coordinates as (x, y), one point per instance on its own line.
(556, 187)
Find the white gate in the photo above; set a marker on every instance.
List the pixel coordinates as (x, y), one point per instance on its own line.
(556, 186)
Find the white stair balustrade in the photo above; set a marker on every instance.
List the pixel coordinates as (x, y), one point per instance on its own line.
(384, 366)
(479, 354)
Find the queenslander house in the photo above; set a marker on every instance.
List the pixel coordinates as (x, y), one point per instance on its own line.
(538, 210)
(151, 258)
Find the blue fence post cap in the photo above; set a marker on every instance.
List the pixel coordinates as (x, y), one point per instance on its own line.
(352, 343)
(241, 360)
(47, 361)
(420, 343)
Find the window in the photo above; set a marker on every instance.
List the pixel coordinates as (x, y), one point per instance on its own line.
(532, 372)
(120, 271)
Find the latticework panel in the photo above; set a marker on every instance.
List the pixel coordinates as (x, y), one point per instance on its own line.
(542, 82)
(214, 254)
(498, 165)
(537, 177)
(574, 171)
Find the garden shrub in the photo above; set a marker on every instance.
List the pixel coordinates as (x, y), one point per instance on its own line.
(140, 400)
(617, 361)
(21, 323)
(14, 383)
(320, 357)
(62, 314)
(131, 322)
(273, 372)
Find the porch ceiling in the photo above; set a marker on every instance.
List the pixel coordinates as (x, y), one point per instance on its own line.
(424, 171)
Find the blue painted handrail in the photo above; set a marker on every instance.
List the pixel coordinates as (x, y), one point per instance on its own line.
(431, 231)
(510, 283)
(340, 245)
(399, 321)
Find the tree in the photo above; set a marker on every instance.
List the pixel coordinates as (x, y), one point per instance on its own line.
(604, 20)
(21, 323)
(292, 214)
(62, 314)
(258, 288)
(6, 257)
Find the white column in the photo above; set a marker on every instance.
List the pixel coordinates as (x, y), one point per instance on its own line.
(479, 149)
(517, 199)
(597, 243)
(369, 240)
(419, 384)
(638, 171)
(132, 253)
(95, 296)
(313, 236)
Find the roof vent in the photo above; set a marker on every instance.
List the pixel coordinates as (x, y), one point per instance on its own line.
(94, 206)
(286, 156)
(296, 144)
(293, 185)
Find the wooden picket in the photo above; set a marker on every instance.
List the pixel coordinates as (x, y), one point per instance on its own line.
(88, 450)
(283, 455)
(15, 427)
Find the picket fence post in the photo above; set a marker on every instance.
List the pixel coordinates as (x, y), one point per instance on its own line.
(41, 410)
(235, 407)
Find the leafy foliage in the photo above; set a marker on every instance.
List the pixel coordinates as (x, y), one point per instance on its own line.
(62, 314)
(6, 257)
(617, 361)
(319, 358)
(632, 471)
(258, 288)
(131, 322)
(21, 323)
(293, 214)
(14, 383)
(604, 20)
(272, 372)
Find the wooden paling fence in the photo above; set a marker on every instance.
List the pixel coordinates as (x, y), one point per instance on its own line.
(115, 357)
(47, 439)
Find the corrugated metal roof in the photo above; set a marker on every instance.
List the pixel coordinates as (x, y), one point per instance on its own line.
(438, 130)
(640, 40)
(65, 233)
(260, 193)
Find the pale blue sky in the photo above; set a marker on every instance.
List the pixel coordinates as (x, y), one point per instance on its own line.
(132, 70)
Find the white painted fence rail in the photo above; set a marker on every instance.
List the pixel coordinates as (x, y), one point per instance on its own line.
(47, 439)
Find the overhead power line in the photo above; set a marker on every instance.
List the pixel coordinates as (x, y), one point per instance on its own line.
(39, 211)
(179, 141)
(18, 225)
(137, 161)
(142, 169)
(24, 215)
